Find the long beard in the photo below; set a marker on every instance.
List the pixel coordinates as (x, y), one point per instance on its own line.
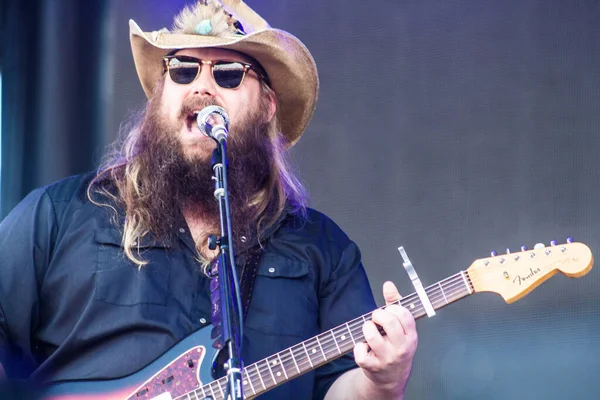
(173, 181)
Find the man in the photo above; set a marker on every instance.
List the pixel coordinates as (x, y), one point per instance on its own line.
(102, 273)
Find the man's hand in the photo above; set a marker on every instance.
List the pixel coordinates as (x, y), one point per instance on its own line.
(386, 360)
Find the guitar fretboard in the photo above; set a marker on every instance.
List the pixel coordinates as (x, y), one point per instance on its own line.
(327, 346)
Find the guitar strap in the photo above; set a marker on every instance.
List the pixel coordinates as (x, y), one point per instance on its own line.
(249, 272)
(247, 279)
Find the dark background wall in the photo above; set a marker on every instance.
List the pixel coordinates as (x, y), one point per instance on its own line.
(451, 128)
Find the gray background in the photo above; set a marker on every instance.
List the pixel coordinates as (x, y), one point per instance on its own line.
(451, 128)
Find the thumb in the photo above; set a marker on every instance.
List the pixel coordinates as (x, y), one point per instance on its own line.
(390, 293)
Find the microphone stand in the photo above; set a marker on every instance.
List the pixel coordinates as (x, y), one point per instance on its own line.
(229, 292)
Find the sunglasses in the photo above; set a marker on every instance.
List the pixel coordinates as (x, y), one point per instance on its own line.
(184, 70)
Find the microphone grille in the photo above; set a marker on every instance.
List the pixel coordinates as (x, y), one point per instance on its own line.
(211, 111)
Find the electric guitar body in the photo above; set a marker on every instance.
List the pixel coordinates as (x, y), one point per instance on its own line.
(181, 370)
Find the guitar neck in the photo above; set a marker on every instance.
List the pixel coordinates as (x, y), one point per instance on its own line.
(327, 346)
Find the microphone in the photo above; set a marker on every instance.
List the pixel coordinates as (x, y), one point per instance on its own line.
(213, 122)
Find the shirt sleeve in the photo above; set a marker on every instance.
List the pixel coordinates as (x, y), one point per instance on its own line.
(25, 244)
(345, 295)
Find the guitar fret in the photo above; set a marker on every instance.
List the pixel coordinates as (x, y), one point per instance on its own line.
(282, 367)
(443, 294)
(412, 306)
(203, 392)
(448, 284)
(357, 330)
(220, 389)
(335, 341)
(271, 371)
(350, 333)
(307, 355)
(294, 359)
(321, 348)
(275, 367)
(343, 341)
(211, 389)
(249, 380)
(260, 376)
(301, 356)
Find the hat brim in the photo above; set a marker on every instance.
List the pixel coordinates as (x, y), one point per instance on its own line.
(289, 65)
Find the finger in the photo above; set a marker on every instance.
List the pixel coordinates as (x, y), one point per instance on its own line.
(406, 319)
(391, 324)
(374, 339)
(361, 355)
(390, 293)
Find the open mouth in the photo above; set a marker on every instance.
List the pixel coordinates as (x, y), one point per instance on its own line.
(191, 120)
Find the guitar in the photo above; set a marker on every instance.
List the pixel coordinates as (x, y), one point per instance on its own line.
(182, 373)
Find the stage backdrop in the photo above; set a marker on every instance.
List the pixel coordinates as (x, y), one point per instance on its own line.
(450, 128)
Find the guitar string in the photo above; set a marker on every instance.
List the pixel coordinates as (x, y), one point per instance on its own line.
(448, 293)
(252, 377)
(328, 342)
(327, 338)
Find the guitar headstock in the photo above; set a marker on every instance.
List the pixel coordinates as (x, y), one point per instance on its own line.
(514, 275)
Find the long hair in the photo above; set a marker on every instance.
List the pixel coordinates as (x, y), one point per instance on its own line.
(118, 182)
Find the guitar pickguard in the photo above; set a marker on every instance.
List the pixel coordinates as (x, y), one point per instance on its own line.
(179, 377)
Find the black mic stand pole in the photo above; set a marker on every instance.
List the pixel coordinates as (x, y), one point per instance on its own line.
(229, 291)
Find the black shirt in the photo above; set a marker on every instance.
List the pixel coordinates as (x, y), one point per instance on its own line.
(72, 306)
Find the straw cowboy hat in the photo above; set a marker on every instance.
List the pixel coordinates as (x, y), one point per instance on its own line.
(233, 25)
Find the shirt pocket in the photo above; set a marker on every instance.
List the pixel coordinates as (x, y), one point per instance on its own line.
(119, 281)
(283, 300)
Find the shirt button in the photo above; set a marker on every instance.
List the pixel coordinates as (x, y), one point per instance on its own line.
(181, 230)
(244, 239)
(202, 320)
(271, 270)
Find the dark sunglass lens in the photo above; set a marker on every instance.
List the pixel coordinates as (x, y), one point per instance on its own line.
(228, 75)
(183, 74)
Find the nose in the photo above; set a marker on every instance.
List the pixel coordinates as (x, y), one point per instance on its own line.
(204, 85)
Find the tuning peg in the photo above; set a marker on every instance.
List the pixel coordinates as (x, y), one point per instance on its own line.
(539, 246)
(569, 239)
(494, 253)
(553, 243)
(523, 248)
